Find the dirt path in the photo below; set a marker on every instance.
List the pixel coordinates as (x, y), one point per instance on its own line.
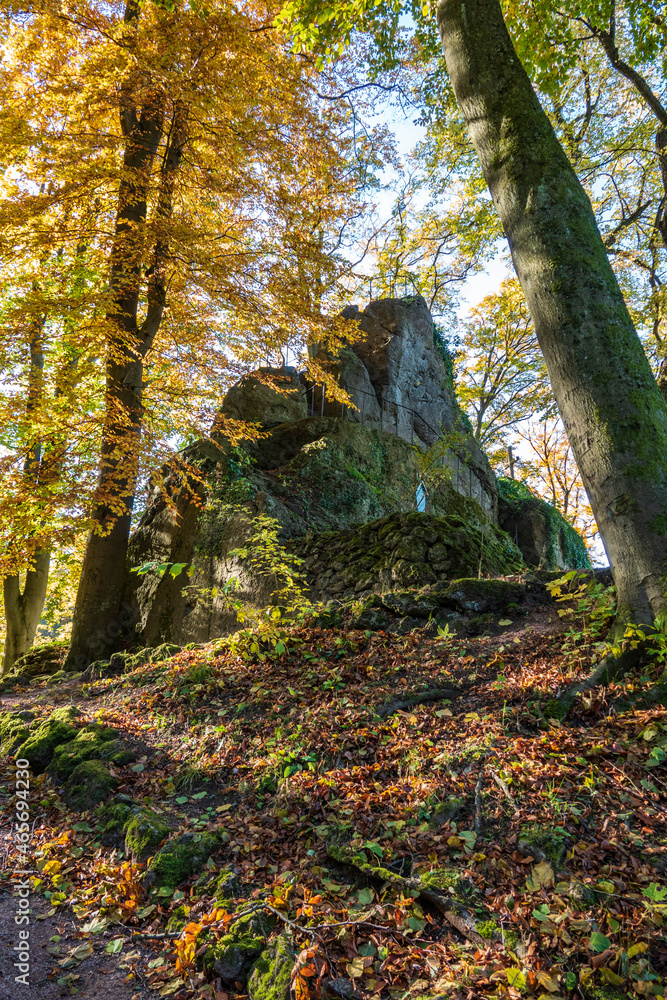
(95, 978)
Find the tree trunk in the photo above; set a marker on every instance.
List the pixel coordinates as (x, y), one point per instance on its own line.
(99, 619)
(613, 411)
(23, 610)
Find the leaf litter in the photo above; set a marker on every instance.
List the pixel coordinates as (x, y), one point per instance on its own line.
(478, 845)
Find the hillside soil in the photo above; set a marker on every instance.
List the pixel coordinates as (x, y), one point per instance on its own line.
(409, 815)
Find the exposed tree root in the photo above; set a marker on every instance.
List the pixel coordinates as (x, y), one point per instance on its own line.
(607, 670)
(453, 912)
(419, 698)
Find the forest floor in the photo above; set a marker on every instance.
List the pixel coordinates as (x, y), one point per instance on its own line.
(468, 846)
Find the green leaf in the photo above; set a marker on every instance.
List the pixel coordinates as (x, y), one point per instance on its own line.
(199, 795)
(655, 893)
(177, 569)
(598, 942)
(365, 896)
(181, 799)
(114, 946)
(516, 978)
(375, 848)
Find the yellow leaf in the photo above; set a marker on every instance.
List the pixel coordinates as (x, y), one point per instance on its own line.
(543, 874)
(549, 983)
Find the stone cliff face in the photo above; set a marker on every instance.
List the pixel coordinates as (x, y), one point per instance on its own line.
(400, 382)
(392, 491)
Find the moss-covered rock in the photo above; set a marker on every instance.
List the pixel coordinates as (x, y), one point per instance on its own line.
(89, 784)
(94, 742)
(480, 596)
(180, 858)
(233, 956)
(545, 538)
(144, 830)
(13, 732)
(41, 661)
(113, 817)
(271, 974)
(393, 553)
(41, 744)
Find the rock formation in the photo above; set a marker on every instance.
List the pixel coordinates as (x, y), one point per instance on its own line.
(343, 484)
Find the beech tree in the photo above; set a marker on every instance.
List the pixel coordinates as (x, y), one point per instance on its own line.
(612, 409)
(192, 156)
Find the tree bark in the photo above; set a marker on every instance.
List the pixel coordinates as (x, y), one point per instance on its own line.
(612, 409)
(99, 619)
(24, 609)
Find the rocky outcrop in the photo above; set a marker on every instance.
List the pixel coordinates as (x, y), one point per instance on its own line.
(547, 541)
(269, 396)
(343, 485)
(409, 371)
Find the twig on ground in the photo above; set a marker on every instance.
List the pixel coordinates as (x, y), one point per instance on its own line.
(479, 819)
(504, 789)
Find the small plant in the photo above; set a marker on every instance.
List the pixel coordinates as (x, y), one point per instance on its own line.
(159, 569)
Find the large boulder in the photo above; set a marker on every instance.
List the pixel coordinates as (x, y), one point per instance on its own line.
(269, 396)
(547, 541)
(321, 473)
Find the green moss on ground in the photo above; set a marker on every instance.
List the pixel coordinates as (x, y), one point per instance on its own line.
(272, 972)
(89, 784)
(113, 818)
(549, 840)
(13, 732)
(232, 957)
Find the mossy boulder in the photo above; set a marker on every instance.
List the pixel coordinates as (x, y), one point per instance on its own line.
(41, 744)
(545, 538)
(113, 817)
(90, 783)
(233, 956)
(144, 831)
(272, 972)
(13, 732)
(40, 661)
(94, 742)
(180, 858)
(480, 596)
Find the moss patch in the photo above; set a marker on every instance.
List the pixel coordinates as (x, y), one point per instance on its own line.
(92, 743)
(179, 859)
(271, 974)
(13, 732)
(233, 956)
(40, 746)
(144, 832)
